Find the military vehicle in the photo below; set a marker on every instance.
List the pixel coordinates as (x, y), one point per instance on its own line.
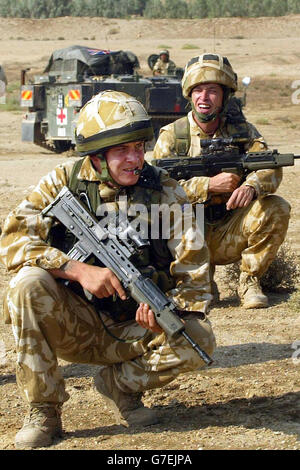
(73, 75)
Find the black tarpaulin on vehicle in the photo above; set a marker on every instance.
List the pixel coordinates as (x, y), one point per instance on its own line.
(94, 61)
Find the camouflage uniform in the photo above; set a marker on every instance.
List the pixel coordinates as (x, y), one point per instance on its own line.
(252, 234)
(164, 68)
(50, 321)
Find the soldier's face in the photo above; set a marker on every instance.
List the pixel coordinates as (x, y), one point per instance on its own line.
(123, 160)
(207, 97)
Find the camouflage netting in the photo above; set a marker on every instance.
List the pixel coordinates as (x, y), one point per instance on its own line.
(93, 61)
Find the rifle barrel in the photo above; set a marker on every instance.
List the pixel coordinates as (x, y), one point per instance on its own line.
(205, 357)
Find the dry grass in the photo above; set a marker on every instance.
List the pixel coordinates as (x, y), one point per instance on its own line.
(282, 275)
(294, 301)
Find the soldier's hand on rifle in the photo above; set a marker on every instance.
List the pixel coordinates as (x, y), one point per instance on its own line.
(146, 318)
(223, 183)
(241, 197)
(100, 282)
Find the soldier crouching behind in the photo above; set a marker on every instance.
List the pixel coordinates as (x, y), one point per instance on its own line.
(244, 219)
(50, 320)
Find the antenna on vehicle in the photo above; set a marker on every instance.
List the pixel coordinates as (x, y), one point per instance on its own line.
(106, 39)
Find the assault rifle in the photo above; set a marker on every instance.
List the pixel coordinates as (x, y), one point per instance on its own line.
(224, 155)
(115, 253)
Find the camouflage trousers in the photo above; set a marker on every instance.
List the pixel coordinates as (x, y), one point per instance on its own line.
(252, 234)
(49, 321)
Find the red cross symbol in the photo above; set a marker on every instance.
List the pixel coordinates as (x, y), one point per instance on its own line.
(61, 116)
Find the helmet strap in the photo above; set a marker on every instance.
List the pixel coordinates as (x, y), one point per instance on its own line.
(227, 95)
(201, 117)
(104, 176)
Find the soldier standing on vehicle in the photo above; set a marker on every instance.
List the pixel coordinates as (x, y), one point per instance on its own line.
(50, 320)
(244, 220)
(163, 65)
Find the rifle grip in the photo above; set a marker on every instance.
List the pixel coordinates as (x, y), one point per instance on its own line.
(235, 171)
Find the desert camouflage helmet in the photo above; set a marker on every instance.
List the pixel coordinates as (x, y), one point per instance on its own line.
(111, 118)
(208, 68)
(164, 52)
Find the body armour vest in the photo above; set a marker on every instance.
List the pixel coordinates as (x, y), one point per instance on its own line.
(153, 260)
(235, 123)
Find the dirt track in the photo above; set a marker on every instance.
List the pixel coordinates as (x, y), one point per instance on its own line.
(249, 399)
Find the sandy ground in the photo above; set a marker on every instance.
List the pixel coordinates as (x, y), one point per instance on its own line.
(249, 398)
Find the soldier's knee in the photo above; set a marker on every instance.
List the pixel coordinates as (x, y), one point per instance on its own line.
(284, 207)
(276, 205)
(201, 332)
(31, 293)
(30, 278)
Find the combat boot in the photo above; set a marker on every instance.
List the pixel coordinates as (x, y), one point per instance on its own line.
(215, 292)
(128, 408)
(213, 285)
(41, 425)
(250, 292)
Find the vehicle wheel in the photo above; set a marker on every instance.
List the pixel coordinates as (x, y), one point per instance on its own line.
(152, 60)
(61, 145)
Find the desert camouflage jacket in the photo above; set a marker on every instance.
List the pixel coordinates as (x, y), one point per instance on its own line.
(164, 68)
(25, 232)
(263, 181)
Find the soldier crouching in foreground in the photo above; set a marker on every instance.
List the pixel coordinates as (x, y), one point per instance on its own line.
(51, 321)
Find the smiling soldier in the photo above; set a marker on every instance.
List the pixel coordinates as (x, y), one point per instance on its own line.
(244, 220)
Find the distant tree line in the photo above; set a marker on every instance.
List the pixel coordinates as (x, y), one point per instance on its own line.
(147, 8)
